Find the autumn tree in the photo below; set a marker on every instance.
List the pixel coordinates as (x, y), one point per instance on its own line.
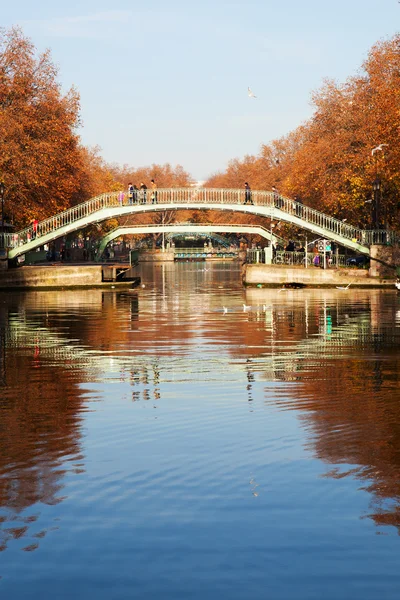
(328, 160)
(165, 176)
(39, 153)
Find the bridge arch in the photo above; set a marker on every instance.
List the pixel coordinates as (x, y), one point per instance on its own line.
(184, 228)
(198, 235)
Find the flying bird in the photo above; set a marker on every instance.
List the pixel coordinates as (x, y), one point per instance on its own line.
(380, 147)
(250, 93)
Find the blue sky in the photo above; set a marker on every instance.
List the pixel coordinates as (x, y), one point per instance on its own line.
(167, 81)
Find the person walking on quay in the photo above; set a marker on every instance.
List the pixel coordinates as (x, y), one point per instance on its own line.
(153, 192)
(143, 193)
(247, 194)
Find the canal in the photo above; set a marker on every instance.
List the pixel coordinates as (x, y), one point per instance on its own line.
(154, 444)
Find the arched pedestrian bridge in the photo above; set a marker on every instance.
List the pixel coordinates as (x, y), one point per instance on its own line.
(184, 228)
(263, 203)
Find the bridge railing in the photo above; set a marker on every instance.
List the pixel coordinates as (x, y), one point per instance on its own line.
(257, 255)
(168, 196)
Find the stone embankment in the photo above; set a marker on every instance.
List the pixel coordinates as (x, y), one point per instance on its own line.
(156, 256)
(273, 275)
(56, 276)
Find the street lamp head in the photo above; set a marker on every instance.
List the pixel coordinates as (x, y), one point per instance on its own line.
(2, 188)
(376, 185)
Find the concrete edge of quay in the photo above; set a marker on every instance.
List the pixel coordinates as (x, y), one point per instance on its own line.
(279, 276)
(50, 277)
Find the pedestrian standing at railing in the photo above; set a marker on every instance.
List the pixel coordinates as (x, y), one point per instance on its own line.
(143, 193)
(247, 194)
(130, 193)
(276, 197)
(153, 192)
(35, 224)
(121, 197)
(299, 208)
(135, 194)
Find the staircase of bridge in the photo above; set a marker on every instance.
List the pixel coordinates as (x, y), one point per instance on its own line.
(263, 203)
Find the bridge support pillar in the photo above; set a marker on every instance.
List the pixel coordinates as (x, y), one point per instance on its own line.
(268, 254)
(382, 261)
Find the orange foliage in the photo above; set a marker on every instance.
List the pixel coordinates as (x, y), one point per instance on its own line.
(327, 161)
(42, 163)
(39, 153)
(165, 176)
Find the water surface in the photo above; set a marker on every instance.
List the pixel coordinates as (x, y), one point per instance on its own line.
(154, 445)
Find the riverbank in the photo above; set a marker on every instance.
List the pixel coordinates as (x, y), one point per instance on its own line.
(66, 276)
(94, 275)
(274, 275)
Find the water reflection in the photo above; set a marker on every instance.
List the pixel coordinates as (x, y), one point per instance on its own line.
(336, 355)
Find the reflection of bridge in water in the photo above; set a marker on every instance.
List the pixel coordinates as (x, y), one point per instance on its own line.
(276, 362)
(264, 204)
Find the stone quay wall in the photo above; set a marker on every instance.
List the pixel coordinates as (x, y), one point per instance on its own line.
(274, 275)
(51, 277)
(155, 256)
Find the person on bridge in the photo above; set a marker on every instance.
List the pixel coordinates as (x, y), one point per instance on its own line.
(277, 198)
(153, 192)
(130, 193)
(247, 194)
(298, 206)
(135, 194)
(143, 193)
(35, 224)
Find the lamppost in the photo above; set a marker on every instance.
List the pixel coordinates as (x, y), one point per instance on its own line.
(376, 186)
(2, 190)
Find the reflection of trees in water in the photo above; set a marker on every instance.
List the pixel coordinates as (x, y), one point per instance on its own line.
(39, 435)
(348, 373)
(345, 360)
(45, 355)
(354, 417)
(351, 410)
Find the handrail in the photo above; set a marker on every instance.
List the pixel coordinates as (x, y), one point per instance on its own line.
(299, 213)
